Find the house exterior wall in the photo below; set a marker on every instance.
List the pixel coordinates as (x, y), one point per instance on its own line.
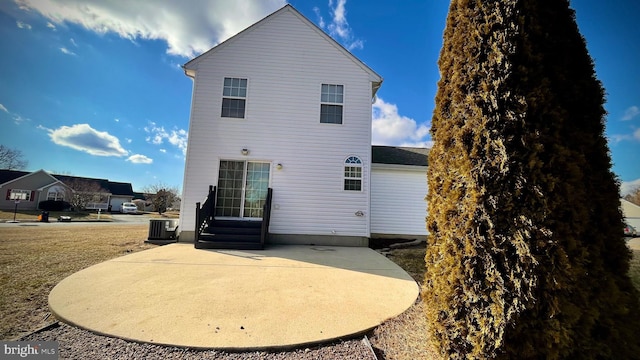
(285, 62)
(33, 182)
(398, 205)
(631, 213)
(116, 201)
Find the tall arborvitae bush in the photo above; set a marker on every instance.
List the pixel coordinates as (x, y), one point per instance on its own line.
(526, 257)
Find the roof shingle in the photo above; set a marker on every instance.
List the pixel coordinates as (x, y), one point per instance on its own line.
(399, 155)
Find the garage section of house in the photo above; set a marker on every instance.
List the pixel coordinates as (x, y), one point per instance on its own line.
(398, 191)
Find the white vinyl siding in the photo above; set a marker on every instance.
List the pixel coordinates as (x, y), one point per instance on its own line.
(286, 62)
(398, 205)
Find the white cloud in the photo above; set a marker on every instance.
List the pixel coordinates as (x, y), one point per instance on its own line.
(51, 26)
(140, 159)
(18, 119)
(321, 22)
(164, 151)
(73, 42)
(157, 136)
(188, 29)
(23, 25)
(626, 187)
(339, 26)
(178, 138)
(83, 137)
(616, 138)
(631, 113)
(67, 51)
(391, 128)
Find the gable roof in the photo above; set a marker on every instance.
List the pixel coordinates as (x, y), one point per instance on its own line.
(10, 175)
(191, 66)
(399, 155)
(7, 176)
(115, 188)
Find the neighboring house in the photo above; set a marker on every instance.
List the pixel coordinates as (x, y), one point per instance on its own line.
(39, 186)
(631, 213)
(140, 199)
(282, 105)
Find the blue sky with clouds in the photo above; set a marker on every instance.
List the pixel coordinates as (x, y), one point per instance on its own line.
(95, 89)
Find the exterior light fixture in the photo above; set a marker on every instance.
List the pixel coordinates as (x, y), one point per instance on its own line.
(245, 151)
(279, 166)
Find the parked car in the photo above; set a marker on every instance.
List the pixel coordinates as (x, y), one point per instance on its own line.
(128, 208)
(630, 231)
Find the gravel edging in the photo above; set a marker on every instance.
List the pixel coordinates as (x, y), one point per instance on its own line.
(75, 343)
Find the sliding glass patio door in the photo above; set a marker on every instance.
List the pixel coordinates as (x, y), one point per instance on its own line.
(242, 188)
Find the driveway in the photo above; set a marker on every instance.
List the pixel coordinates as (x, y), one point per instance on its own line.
(130, 218)
(634, 244)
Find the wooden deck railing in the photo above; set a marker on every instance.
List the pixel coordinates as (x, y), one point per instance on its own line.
(205, 213)
(266, 217)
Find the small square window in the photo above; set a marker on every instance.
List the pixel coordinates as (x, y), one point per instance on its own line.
(233, 108)
(331, 114)
(352, 185)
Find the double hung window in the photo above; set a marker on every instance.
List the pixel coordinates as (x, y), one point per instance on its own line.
(331, 100)
(234, 97)
(18, 194)
(353, 174)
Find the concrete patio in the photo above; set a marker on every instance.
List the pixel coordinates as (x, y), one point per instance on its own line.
(281, 297)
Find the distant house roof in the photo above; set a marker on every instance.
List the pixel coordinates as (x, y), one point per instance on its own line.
(115, 188)
(69, 180)
(120, 188)
(9, 175)
(399, 155)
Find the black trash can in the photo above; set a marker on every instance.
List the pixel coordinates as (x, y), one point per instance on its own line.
(44, 216)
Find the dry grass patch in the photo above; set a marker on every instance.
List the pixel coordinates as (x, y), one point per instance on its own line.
(32, 215)
(33, 259)
(406, 337)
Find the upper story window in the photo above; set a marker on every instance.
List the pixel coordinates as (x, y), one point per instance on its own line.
(353, 174)
(234, 97)
(331, 100)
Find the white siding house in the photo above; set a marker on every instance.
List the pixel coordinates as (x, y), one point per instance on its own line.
(284, 106)
(398, 191)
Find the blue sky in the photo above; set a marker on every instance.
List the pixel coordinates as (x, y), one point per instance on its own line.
(95, 89)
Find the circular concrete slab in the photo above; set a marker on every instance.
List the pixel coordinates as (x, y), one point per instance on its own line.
(282, 297)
